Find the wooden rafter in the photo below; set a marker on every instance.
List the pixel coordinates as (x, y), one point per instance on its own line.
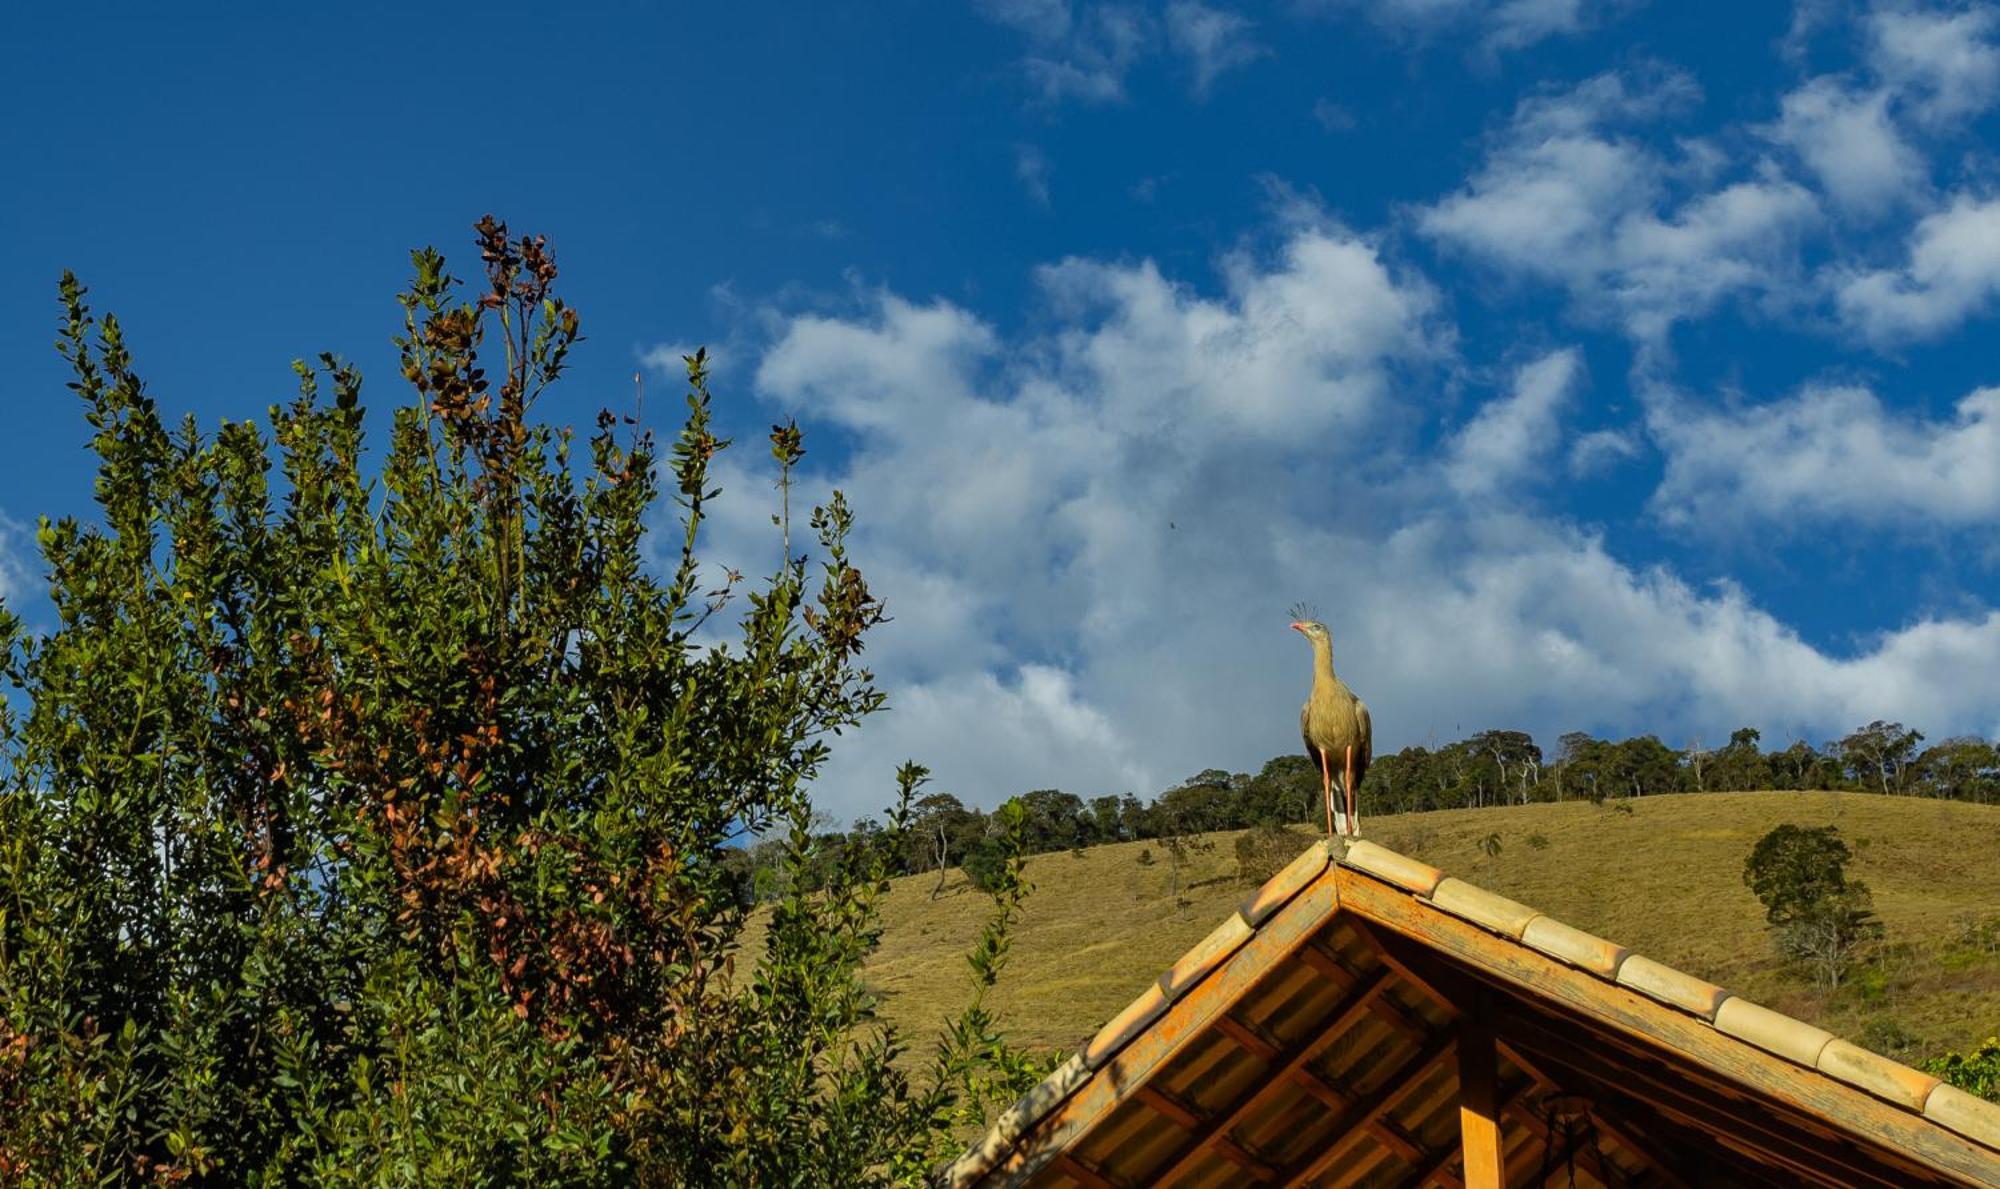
(1648, 1153)
(1248, 1039)
(1446, 987)
(1895, 1139)
(1816, 1162)
(1391, 1091)
(1190, 1018)
(1587, 1156)
(1293, 1065)
(1076, 1170)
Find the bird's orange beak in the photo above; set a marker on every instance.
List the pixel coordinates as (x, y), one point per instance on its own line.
(1297, 626)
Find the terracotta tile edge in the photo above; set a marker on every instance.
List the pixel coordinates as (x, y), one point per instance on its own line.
(1278, 891)
(1964, 1113)
(1210, 952)
(1675, 988)
(1891, 1081)
(1379, 861)
(1489, 910)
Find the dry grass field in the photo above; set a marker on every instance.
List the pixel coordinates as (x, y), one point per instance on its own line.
(1665, 880)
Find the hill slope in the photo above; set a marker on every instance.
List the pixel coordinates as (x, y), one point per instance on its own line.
(1665, 880)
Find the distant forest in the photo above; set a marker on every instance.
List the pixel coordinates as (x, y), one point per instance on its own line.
(1490, 768)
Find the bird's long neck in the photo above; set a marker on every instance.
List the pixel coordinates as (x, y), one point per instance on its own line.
(1323, 664)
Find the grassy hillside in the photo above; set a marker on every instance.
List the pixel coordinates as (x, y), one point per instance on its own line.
(1665, 880)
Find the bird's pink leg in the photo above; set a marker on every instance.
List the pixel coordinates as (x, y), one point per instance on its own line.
(1347, 790)
(1326, 787)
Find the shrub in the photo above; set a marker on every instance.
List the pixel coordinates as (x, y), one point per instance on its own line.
(1887, 1036)
(1263, 851)
(1976, 1072)
(373, 827)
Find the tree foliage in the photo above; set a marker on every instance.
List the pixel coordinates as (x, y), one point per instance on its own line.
(1821, 917)
(375, 827)
(1975, 1072)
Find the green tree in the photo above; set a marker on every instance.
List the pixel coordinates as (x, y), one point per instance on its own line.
(1054, 820)
(1880, 754)
(375, 826)
(1821, 917)
(1962, 769)
(1740, 766)
(936, 821)
(1517, 762)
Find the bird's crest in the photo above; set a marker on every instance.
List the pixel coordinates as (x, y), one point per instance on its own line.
(1304, 613)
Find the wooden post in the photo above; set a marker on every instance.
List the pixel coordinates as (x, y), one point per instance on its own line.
(1479, 1099)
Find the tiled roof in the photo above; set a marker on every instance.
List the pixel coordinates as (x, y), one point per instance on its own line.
(1308, 1039)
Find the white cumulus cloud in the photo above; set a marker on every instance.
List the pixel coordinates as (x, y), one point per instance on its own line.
(1943, 60)
(1079, 53)
(1511, 437)
(1565, 195)
(1829, 454)
(1213, 40)
(1846, 139)
(1951, 272)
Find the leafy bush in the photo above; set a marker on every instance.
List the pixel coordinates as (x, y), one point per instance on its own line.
(377, 829)
(1976, 1072)
(986, 865)
(1887, 1036)
(1263, 851)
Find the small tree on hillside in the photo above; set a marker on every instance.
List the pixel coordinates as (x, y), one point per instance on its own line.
(1821, 917)
(933, 819)
(1178, 820)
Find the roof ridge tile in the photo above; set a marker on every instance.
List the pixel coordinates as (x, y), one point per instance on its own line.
(1401, 870)
(1571, 945)
(1876, 1074)
(1208, 953)
(1968, 1114)
(1657, 980)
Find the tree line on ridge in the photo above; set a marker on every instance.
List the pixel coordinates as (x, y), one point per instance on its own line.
(1491, 768)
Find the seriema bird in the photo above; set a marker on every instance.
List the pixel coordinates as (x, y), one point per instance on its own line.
(1338, 734)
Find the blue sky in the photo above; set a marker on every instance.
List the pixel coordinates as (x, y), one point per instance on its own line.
(1615, 367)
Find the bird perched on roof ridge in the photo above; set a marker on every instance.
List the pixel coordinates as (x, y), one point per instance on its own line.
(1338, 733)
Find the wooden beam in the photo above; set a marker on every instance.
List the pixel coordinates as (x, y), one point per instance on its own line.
(1400, 1020)
(1077, 1170)
(1247, 1038)
(1479, 1101)
(1578, 1068)
(1189, 1019)
(1388, 957)
(1326, 964)
(1624, 1136)
(1343, 1018)
(1589, 1157)
(1437, 1169)
(1174, 1109)
(1398, 1141)
(1391, 1091)
(1445, 985)
(1889, 1131)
